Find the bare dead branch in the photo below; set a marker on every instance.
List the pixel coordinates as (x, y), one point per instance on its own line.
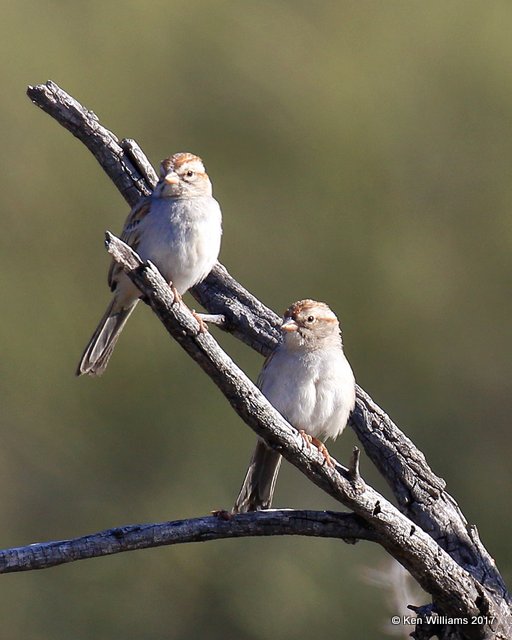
(420, 493)
(287, 522)
(102, 143)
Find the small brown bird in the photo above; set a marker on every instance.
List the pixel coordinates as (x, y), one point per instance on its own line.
(178, 227)
(308, 379)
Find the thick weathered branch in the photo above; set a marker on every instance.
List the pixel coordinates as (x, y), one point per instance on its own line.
(102, 143)
(420, 494)
(286, 522)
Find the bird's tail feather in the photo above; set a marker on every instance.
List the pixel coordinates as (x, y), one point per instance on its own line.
(258, 487)
(97, 353)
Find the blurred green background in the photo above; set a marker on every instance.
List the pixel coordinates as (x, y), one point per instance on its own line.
(362, 154)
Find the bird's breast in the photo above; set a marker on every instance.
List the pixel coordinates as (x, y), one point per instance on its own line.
(313, 392)
(182, 238)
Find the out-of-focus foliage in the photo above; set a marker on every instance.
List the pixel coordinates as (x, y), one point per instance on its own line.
(362, 155)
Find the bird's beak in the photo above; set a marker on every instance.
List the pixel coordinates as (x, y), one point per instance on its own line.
(289, 325)
(172, 178)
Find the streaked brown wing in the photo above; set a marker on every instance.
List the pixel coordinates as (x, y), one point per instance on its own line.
(130, 235)
(261, 375)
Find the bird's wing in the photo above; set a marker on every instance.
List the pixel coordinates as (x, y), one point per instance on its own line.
(130, 235)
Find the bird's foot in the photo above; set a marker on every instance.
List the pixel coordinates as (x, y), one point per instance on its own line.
(175, 293)
(222, 514)
(311, 440)
(203, 328)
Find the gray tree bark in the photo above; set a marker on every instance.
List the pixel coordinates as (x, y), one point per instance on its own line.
(426, 532)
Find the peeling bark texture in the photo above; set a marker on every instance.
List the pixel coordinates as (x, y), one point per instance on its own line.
(427, 533)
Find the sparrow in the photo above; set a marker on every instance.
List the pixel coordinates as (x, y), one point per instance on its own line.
(178, 227)
(308, 379)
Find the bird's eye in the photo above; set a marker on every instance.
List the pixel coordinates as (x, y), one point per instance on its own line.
(311, 318)
(190, 174)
